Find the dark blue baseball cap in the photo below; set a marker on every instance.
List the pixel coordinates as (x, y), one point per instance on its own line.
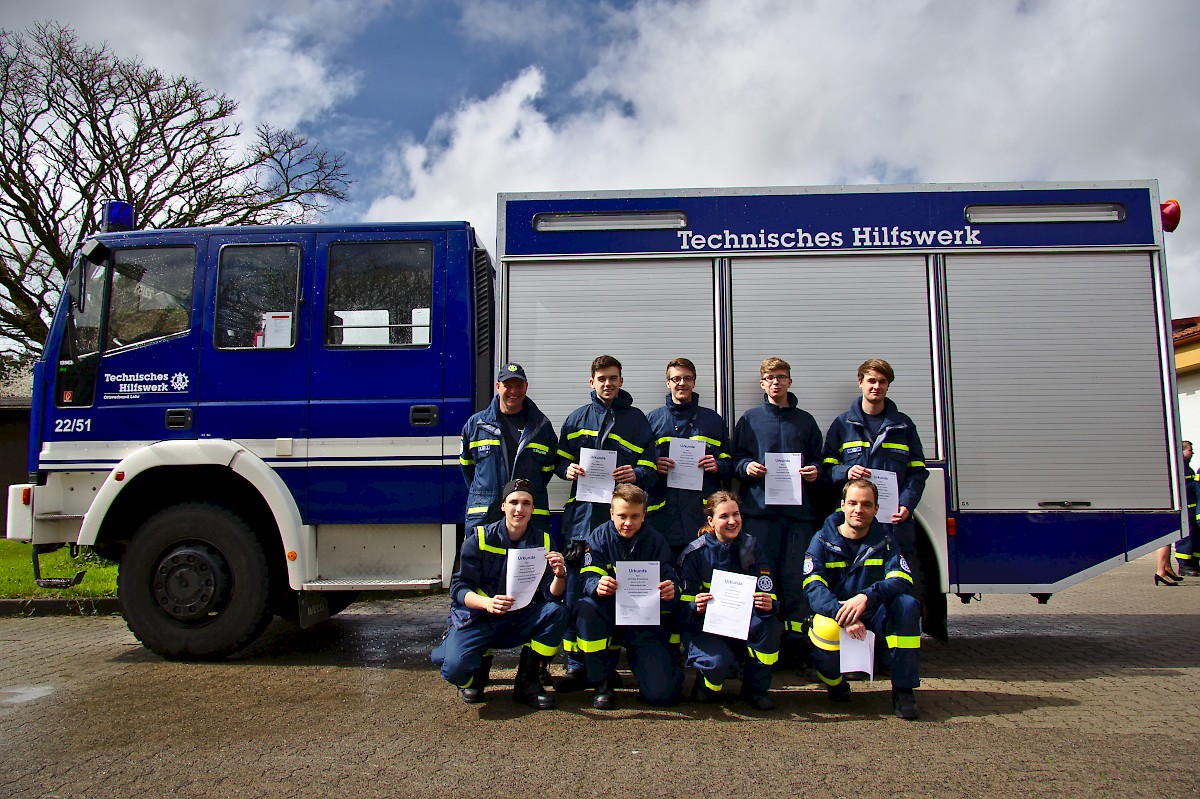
(511, 371)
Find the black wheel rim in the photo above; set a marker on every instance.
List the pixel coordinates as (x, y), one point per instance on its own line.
(191, 582)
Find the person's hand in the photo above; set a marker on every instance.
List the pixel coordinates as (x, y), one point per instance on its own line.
(666, 590)
(708, 463)
(607, 586)
(500, 604)
(808, 473)
(665, 465)
(856, 472)
(763, 601)
(575, 471)
(702, 601)
(624, 474)
(557, 564)
(902, 515)
(756, 469)
(851, 609)
(857, 631)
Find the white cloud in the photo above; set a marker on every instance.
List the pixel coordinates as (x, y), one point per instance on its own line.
(715, 93)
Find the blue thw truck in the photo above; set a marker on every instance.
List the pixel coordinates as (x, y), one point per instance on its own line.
(265, 420)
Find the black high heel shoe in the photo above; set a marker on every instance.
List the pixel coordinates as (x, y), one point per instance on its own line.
(1160, 580)
(1170, 575)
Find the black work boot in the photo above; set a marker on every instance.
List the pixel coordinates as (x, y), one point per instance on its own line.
(473, 694)
(526, 688)
(573, 680)
(839, 692)
(905, 704)
(604, 698)
(757, 701)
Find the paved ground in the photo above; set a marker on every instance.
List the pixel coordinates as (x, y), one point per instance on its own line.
(1091, 695)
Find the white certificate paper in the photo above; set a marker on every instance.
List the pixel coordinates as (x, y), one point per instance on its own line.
(637, 593)
(858, 655)
(889, 494)
(687, 473)
(728, 613)
(783, 481)
(525, 570)
(597, 483)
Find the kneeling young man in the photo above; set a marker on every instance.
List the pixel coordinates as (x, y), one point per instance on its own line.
(625, 537)
(857, 579)
(482, 617)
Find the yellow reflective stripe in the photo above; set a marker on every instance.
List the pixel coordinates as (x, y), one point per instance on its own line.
(830, 682)
(488, 547)
(832, 461)
(542, 448)
(905, 575)
(485, 441)
(466, 461)
(915, 464)
(593, 570)
(568, 645)
(626, 444)
(823, 643)
(569, 500)
(901, 447)
(675, 638)
(904, 641)
(566, 455)
(873, 561)
(794, 626)
(545, 538)
(482, 593)
(651, 464)
(548, 467)
(705, 585)
(707, 440)
(578, 433)
(816, 577)
(687, 597)
(583, 645)
(850, 444)
(540, 512)
(477, 509)
(724, 455)
(712, 686)
(467, 684)
(765, 658)
(775, 598)
(543, 650)
(659, 506)
(663, 440)
(835, 564)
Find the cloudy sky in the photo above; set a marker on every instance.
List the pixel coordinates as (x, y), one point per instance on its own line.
(442, 103)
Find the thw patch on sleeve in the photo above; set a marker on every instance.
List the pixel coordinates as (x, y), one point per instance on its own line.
(808, 564)
(587, 558)
(765, 584)
(904, 564)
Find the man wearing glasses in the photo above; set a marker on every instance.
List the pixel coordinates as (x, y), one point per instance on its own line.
(779, 425)
(678, 513)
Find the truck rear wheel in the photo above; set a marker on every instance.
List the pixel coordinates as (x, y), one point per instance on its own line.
(194, 583)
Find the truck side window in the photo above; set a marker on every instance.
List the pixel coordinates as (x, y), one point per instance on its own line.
(257, 290)
(151, 294)
(379, 294)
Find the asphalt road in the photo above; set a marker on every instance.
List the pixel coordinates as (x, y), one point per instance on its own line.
(1092, 695)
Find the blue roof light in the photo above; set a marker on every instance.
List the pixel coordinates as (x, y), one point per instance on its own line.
(117, 216)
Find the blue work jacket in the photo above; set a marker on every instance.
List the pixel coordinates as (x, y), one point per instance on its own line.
(769, 428)
(483, 568)
(897, 449)
(605, 547)
(743, 555)
(484, 458)
(878, 570)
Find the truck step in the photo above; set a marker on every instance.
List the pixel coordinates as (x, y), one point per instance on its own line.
(372, 585)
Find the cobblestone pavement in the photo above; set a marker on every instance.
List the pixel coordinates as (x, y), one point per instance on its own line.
(1090, 695)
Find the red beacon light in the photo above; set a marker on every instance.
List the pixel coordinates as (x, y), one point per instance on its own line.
(1170, 215)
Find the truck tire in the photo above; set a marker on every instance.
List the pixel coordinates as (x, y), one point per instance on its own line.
(193, 584)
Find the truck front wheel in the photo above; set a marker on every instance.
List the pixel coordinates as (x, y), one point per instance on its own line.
(194, 583)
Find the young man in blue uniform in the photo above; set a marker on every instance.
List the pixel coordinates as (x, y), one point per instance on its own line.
(482, 615)
(874, 434)
(779, 425)
(507, 440)
(608, 422)
(625, 537)
(678, 513)
(857, 579)
(725, 546)
(1185, 555)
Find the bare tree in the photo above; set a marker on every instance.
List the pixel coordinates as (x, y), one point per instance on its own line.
(79, 125)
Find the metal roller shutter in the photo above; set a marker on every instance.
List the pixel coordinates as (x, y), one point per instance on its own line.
(1056, 383)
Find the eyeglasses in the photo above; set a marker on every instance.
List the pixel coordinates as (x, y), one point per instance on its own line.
(775, 378)
(680, 380)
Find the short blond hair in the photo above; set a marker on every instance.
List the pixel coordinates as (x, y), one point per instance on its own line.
(772, 364)
(876, 365)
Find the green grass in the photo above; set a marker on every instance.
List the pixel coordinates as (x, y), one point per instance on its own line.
(16, 572)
